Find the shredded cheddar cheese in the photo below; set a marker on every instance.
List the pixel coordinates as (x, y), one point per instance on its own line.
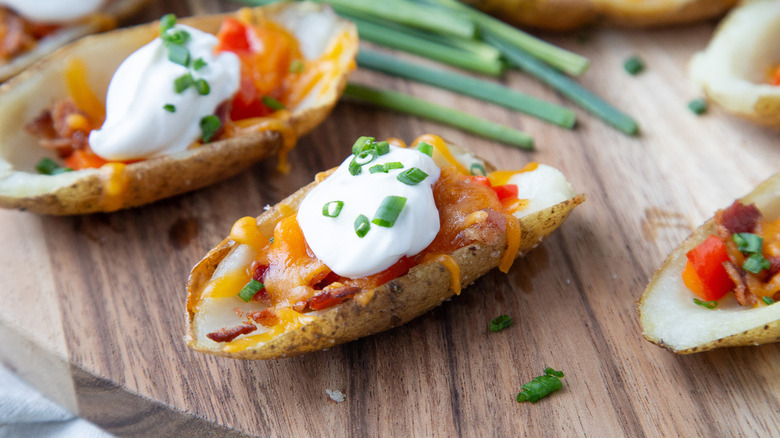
(513, 236)
(115, 184)
(440, 145)
(448, 262)
(82, 95)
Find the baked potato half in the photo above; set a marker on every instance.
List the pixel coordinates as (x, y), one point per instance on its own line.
(563, 15)
(322, 37)
(671, 319)
(391, 298)
(104, 19)
(740, 68)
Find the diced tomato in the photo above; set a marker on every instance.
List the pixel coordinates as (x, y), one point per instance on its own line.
(506, 191)
(83, 159)
(706, 276)
(775, 80)
(233, 37)
(248, 103)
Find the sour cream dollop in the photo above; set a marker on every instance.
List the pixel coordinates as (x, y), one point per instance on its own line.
(53, 11)
(544, 187)
(334, 240)
(137, 124)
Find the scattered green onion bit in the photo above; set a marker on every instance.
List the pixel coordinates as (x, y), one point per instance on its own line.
(209, 126)
(167, 22)
(634, 65)
(249, 291)
(362, 226)
(332, 208)
(500, 323)
(394, 165)
(389, 210)
(541, 386)
(698, 106)
(412, 176)
(748, 243)
(768, 301)
(183, 82)
(47, 166)
(169, 107)
(179, 55)
(199, 64)
(708, 304)
(175, 37)
(382, 147)
(379, 168)
(203, 87)
(361, 144)
(272, 103)
(296, 66)
(425, 148)
(756, 263)
(477, 169)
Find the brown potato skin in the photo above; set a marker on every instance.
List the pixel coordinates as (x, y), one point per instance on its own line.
(557, 15)
(424, 287)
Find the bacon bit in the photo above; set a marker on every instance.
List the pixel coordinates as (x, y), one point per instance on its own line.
(266, 317)
(64, 128)
(331, 297)
(329, 279)
(228, 334)
(238, 311)
(776, 296)
(16, 38)
(744, 295)
(487, 231)
(739, 218)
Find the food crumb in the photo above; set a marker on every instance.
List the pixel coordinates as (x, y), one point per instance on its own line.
(698, 106)
(634, 65)
(267, 207)
(336, 395)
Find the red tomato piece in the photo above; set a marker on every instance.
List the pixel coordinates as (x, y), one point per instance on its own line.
(233, 37)
(506, 191)
(707, 261)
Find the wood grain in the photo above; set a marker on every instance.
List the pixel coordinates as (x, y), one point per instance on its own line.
(93, 306)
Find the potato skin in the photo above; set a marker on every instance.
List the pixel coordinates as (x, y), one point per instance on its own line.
(558, 15)
(424, 287)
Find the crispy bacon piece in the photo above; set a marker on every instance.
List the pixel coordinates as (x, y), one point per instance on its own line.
(739, 218)
(228, 334)
(266, 317)
(487, 231)
(331, 297)
(55, 130)
(742, 292)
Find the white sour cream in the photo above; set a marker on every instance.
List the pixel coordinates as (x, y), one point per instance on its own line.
(334, 241)
(137, 125)
(53, 11)
(544, 187)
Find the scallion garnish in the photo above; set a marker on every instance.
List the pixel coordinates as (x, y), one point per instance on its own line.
(179, 55)
(272, 103)
(394, 165)
(250, 290)
(209, 126)
(477, 169)
(708, 304)
(203, 87)
(183, 82)
(382, 147)
(756, 263)
(296, 66)
(698, 106)
(541, 386)
(199, 64)
(768, 301)
(47, 166)
(361, 144)
(332, 208)
(169, 107)
(389, 210)
(500, 323)
(412, 176)
(425, 148)
(634, 65)
(360, 160)
(167, 22)
(362, 226)
(175, 37)
(379, 168)
(748, 243)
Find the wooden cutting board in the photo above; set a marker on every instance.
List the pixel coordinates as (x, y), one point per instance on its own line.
(93, 306)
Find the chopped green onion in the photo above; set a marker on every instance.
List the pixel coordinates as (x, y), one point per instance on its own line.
(296, 66)
(756, 263)
(541, 386)
(469, 86)
(421, 108)
(500, 323)
(698, 106)
(179, 55)
(412, 176)
(634, 65)
(394, 165)
(175, 37)
(425, 148)
(389, 210)
(250, 290)
(360, 160)
(209, 126)
(379, 168)
(169, 107)
(183, 82)
(361, 144)
(167, 22)
(199, 64)
(382, 148)
(768, 301)
(332, 208)
(47, 166)
(362, 226)
(566, 86)
(477, 169)
(748, 243)
(272, 103)
(708, 304)
(203, 87)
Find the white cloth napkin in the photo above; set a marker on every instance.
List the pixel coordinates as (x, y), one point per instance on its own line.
(25, 412)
